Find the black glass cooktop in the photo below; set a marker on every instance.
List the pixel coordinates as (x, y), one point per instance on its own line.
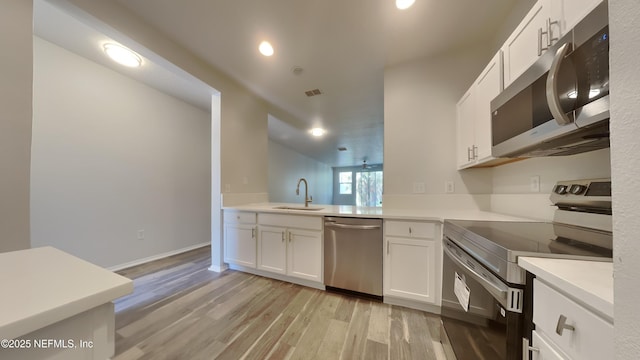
(511, 239)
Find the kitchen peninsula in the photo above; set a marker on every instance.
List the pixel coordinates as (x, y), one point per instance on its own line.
(55, 305)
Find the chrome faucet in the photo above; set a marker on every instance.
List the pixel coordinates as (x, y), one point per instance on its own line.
(307, 199)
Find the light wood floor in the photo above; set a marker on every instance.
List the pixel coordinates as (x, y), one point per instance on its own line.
(180, 310)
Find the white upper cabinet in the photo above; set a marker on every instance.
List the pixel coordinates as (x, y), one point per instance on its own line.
(527, 42)
(565, 14)
(465, 128)
(543, 26)
(474, 116)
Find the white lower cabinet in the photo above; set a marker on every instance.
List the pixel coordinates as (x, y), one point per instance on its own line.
(568, 328)
(543, 350)
(289, 250)
(412, 261)
(240, 238)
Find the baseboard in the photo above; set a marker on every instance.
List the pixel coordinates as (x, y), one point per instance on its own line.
(218, 269)
(157, 257)
(294, 280)
(434, 309)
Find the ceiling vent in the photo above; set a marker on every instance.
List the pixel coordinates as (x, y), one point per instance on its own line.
(313, 92)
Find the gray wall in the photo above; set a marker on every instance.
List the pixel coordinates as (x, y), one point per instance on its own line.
(625, 168)
(112, 156)
(16, 19)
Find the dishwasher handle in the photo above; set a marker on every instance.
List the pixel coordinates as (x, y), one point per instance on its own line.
(350, 226)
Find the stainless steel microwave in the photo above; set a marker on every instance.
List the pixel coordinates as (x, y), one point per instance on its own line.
(560, 105)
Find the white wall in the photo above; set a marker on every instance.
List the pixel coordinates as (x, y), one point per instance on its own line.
(420, 126)
(286, 166)
(15, 122)
(625, 168)
(112, 156)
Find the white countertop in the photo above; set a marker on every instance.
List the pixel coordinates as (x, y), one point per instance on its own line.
(42, 286)
(378, 212)
(589, 282)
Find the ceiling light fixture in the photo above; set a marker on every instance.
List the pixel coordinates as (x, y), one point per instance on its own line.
(265, 48)
(404, 4)
(122, 55)
(317, 132)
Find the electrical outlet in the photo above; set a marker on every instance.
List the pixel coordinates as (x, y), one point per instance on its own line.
(449, 187)
(418, 188)
(227, 188)
(141, 234)
(534, 183)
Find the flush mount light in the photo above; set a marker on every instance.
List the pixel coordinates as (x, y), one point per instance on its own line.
(122, 55)
(404, 4)
(317, 132)
(265, 48)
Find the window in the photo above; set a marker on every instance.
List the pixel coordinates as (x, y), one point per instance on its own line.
(346, 179)
(369, 188)
(358, 185)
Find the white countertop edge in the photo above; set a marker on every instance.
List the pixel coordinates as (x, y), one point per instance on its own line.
(380, 212)
(55, 314)
(30, 279)
(588, 282)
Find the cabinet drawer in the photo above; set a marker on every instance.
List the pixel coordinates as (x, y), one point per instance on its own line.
(239, 217)
(592, 337)
(410, 229)
(291, 221)
(544, 350)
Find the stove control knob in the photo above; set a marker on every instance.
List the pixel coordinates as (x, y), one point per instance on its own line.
(560, 189)
(576, 189)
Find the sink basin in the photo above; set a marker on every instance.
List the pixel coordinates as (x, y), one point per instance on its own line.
(310, 208)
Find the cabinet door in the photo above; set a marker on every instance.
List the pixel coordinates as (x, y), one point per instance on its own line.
(304, 249)
(410, 269)
(272, 249)
(240, 244)
(543, 350)
(567, 13)
(465, 119)
(522, 48)
(487, 87)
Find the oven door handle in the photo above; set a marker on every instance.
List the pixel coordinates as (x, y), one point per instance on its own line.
(499, 293)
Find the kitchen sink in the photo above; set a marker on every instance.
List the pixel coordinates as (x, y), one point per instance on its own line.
(310, 208)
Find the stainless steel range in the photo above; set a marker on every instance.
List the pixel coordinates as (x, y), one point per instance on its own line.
(485, 296)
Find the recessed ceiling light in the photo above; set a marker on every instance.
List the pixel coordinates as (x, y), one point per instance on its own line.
(317, 131)
(122, 55)
(404, 4)
(265, 48)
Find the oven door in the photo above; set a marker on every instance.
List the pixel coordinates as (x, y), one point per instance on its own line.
(482, 316)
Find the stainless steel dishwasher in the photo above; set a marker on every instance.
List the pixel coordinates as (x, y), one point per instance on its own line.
(353, 255)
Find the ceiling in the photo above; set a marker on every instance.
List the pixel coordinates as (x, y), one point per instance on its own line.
(341, 46)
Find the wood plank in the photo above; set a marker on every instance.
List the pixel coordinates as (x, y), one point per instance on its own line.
(333, 341)
(378, 330)
(180, 310)
(377, 351)
(357, 335)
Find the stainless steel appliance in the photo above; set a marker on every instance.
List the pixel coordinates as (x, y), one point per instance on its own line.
(353, 255)
(560, 105)
(486, 297)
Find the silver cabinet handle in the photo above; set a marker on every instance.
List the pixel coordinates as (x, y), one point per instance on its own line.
(253, 233)
(562, 325)
(540, 48)
(387, 247)
(290, 236)
(550, 38)
(553, 98)
(475, 152)
(526, 349)
(410, 230)
(468, 154)
(283, 236)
